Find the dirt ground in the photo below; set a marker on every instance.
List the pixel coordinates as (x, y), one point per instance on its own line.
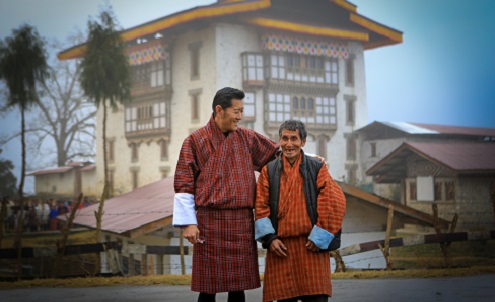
(452, 289)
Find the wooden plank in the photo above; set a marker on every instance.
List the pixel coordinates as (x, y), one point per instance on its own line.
(150, 227)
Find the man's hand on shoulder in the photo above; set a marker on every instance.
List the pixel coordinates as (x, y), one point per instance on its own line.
(322, 159)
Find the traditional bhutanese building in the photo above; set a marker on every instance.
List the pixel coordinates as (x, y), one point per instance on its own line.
(294, 59)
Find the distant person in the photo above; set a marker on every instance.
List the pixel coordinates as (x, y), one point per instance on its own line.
(44, 216)
(32, 218)
(299, 210)
(53, 218)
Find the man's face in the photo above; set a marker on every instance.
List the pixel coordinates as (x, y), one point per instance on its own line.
(228, 118)
(291, 144)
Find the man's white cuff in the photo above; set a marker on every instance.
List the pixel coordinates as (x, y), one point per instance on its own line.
(184, 210)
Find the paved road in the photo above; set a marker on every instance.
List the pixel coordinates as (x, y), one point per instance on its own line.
(458, 289)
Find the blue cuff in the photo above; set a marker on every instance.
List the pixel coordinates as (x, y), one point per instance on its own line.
(263, 227)
(321, 237)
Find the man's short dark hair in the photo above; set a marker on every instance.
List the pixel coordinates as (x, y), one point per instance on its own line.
(224, 98)
(293, 125)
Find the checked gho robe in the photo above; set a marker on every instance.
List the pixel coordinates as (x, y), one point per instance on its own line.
(218, 171)
(302, 272)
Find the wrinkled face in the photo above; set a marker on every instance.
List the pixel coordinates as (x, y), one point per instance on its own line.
(227, 119)
(291, 144)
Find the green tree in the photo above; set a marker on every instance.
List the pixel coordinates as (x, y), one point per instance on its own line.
(105, 77)
(7, 189)
(23, 65)
(7, 178)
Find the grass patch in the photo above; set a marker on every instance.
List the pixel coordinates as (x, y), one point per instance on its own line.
(462, 254)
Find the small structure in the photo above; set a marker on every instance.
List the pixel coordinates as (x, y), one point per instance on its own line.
(70, 180)
(144, 216)
(457, 176)
(378, 139)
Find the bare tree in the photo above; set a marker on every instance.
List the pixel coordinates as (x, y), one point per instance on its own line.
(64, 120)
(22, 66)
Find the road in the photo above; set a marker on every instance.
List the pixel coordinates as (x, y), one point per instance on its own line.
(452, 289)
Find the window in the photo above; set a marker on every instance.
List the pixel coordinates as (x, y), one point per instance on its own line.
(308, 109)
(156, 74)
(412, 190)
(134, 152)
(252, 69)
(303, 68)
(163, 150)
(135, 179)
(425, 188)
(350, 103)
(249, 113)
(111, 149)
(351, 148)
(430, 189)
(152, 74)
(373, 149)
(349, 72)
(195, 104)
(195, 107)
(350, 112)
(145, 117)
(111, 183)
(194, 49)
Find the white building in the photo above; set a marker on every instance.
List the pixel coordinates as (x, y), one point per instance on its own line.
(294, 59)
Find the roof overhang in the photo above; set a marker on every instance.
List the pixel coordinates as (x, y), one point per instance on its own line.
(392, 168)
(308, 29)
(393, 36)
(197, 13)
(372, 35)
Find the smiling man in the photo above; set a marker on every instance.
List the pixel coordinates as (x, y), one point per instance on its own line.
(215, 191)
(299, 210)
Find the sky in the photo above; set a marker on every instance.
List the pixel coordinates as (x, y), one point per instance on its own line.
(443, 72)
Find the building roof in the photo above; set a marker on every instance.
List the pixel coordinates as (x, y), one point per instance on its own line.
(138, 212)
(150, 208)
(52, 170)
(458, 157)
(84, 166)
(344, 22)
(377, 130)
(472, 131)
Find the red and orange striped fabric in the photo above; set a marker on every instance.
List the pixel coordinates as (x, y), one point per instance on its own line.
(302, 272)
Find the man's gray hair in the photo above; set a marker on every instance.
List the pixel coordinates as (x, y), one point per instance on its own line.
(293, 125)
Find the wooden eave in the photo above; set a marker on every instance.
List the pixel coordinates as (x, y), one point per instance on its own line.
(385, 203)
(351, 26)
(345, 5)
(202, 12)
(391, 168)
(308, 29)
(392, 36)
